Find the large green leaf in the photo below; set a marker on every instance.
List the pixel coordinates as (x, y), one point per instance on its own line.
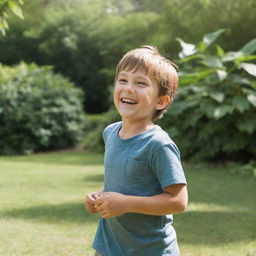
(15, 9)
(213, 62)
(249, 67)
(249, 48)
(211, 37)
(221, 111)
(217, 96)
(241, 103)
(252, 99)
(231, 56)
(191, 78)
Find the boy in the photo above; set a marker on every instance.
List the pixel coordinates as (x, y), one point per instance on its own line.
(144, 183)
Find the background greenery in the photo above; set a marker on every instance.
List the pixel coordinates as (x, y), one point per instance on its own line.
(212, 42)
(38, 110)
(84, 39)
(56, 80)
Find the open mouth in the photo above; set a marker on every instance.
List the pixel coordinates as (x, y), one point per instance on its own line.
(128, 101)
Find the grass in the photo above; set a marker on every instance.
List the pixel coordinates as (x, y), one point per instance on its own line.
(42, 214)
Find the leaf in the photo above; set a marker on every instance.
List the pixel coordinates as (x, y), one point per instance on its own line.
(247, 126)
(230, 56)
(239, 79)
(252, 99)
(213, 62)
(210, 38)
(202, 46)
(190, 78)
(249, 48)
(16, 9)
(209, 110)
(241, 103)
(221, 111)
(249, 67)
(217, 96)
(220, 51)
(222, 74)
(187, 49)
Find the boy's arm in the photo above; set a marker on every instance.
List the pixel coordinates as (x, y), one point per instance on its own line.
(173, 200)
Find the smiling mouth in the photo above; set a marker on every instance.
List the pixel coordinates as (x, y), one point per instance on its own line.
(128, 101)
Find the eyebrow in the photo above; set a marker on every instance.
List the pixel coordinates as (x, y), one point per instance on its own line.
(137, 76)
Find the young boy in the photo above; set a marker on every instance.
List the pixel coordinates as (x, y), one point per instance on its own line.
(144, 183)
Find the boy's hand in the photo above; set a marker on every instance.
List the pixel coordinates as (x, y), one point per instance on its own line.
(110, 204)
(90, 202)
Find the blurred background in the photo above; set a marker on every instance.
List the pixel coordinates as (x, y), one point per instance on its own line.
(57, 68)
(70, 49)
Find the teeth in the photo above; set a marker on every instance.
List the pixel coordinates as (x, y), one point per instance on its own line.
(128, 101)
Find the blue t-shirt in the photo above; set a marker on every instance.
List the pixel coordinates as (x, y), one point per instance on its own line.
(142, 166)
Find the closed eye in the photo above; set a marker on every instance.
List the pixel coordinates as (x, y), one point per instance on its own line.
(142, 84)
(122, 80)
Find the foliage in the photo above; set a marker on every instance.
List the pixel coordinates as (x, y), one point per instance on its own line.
(237, 17)
(39, 110)
(213, 116)
(95, 125)
(9, 5)
(87, 46)
(84, 40)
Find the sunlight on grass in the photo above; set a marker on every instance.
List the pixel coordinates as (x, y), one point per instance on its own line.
(193, 207)
(42, 208)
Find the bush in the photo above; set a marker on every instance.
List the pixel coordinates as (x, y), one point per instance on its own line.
(213, 116)
(39, 110)
(93, 140)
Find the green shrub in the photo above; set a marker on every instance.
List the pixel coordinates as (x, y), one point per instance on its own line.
(95, 125)
(39, 110)
(213, 116)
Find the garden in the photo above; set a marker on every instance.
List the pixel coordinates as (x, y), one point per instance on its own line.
(57, 67)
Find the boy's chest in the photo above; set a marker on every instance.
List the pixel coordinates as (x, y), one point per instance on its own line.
(128, 168)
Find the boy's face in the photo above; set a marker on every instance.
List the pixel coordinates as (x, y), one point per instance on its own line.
(136, 96)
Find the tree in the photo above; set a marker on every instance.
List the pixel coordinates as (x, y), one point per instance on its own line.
(7, 6)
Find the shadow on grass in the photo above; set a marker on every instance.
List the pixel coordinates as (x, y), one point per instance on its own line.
(197, 227)
(59, 158)
(220, 187)
(214, 228)
(53, 213)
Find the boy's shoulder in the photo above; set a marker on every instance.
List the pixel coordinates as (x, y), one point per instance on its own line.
(161, 140)
(161, 137)
(110, 128)
(113, 126)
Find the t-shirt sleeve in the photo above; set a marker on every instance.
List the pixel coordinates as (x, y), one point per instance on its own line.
(167, 167)
(109, 129)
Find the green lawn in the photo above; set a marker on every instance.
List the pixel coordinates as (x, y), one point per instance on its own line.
(42, 214)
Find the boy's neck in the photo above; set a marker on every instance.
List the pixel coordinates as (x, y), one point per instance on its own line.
(131, 129)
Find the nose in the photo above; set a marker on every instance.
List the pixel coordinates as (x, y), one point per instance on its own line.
(128, 88)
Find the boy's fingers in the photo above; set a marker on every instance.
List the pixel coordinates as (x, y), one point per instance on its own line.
(91, 196)
(99, 201)
(100, 207)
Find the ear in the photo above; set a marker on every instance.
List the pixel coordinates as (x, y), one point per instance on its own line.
(163, 102)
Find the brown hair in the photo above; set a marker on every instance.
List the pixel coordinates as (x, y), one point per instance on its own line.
(148, 59)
